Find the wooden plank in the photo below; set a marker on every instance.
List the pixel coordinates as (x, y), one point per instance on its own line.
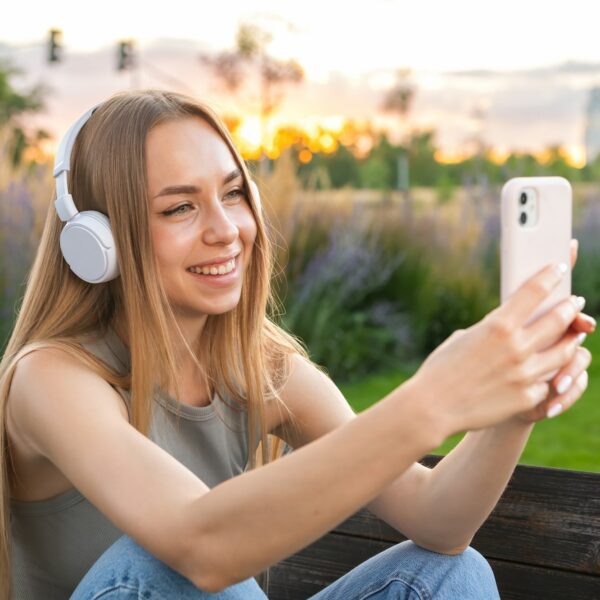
(523, 582)
(551, 517)
(316, 566)
(546, 517)
(320, 564)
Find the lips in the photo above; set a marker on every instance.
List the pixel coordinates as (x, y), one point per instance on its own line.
(216, 262)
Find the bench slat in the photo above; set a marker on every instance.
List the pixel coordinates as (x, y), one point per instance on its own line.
(542, 540)
(524, 582)
(546, 517)
(329, 558)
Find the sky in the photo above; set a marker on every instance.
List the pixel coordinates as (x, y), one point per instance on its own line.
(526, 65)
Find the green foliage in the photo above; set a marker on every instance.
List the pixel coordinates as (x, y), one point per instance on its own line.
(362, 292)
(444, 188)
(13, 105)
(340, 165)
(379, 168)
(334, 306)
(375, 173)
(569, 441)
(424, 170)
(450, 301)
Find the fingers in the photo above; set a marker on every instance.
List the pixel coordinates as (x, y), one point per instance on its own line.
(569, 373)
(566, 358)
(516, 310)
(550, 327)
(536, 393)
(566, 400)
(584, 323)
(574, 250)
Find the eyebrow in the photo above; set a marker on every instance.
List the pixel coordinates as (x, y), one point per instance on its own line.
(193, 189)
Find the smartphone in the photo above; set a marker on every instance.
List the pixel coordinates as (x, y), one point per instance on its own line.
(536, 221)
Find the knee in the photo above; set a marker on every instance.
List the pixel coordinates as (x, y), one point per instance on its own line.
(475, 571)
(465, 575)
(126, 564)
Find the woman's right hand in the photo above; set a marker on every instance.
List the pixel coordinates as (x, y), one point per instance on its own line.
(494, 370)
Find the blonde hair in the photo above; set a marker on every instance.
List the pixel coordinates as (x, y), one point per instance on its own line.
(244, 354)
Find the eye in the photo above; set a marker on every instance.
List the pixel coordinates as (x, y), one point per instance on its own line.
(177, 211)
(235, 194)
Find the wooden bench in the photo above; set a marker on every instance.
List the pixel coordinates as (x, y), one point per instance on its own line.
(542, 541)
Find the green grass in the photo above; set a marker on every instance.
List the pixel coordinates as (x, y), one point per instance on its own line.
(569, 441)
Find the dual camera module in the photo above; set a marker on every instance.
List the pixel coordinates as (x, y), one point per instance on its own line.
(523, 202)
(528, 209)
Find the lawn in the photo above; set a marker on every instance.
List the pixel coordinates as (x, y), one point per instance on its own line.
(569, 441)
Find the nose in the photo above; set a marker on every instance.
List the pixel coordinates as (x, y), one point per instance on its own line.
(219, 228)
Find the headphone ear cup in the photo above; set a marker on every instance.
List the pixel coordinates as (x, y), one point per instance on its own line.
(87, 245)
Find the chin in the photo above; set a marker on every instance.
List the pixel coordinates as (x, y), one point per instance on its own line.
(198, 310)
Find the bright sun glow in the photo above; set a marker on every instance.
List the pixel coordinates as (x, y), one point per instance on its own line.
(455, 68)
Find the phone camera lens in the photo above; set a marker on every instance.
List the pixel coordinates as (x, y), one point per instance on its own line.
(523, 218)
(523, 198)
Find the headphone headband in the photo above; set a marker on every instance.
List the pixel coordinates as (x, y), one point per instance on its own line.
(65, 207)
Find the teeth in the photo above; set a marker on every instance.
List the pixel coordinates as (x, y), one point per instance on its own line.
(221, 269)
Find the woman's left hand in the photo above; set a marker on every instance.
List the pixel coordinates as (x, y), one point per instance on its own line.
(572, 378)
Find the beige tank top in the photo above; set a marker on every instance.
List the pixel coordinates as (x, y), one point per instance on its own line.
(56, 541)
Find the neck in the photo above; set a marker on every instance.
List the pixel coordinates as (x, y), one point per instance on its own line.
(191, 330)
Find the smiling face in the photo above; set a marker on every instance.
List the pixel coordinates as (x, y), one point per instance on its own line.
(202, 226)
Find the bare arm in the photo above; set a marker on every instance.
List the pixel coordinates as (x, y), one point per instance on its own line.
(214, 537)
(259, 518)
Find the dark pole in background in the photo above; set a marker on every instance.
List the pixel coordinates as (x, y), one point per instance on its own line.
(54, 46)
(127, 61)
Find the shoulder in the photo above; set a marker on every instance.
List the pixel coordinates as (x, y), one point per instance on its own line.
(47, 382)
(315, 403)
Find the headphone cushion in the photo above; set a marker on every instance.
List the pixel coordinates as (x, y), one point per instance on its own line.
(88, 246)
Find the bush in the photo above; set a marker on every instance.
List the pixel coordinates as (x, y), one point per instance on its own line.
(335, 307)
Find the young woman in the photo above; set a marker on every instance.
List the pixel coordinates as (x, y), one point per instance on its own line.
(136, 408)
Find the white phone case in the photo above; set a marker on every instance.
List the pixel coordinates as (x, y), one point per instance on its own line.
(525, 250)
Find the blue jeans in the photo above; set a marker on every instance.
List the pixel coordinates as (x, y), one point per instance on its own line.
(125, 571)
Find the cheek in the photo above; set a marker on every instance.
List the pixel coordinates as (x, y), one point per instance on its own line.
(167, 246)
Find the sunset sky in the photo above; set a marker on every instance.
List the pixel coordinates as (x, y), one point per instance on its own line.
(527, 65)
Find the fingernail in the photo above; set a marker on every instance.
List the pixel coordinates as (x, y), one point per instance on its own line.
(561, 268)
(554, 410)
(564, 384)
(580, 302)
(581, 338)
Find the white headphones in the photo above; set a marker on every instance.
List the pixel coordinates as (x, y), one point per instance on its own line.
(86, 241)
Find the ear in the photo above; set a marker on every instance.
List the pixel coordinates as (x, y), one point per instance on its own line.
(255, 193)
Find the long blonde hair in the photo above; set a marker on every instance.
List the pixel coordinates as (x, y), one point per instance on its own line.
(244, 354)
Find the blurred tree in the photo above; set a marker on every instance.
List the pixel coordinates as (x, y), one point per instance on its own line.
(13, 105)
(381, 161)
(341, 165)
(375, 173)
(556, 163)
(399, 100)
(425, 170)
(521, 165)
(250, 55)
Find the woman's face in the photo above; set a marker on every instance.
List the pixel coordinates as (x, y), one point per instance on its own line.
(201, 223)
